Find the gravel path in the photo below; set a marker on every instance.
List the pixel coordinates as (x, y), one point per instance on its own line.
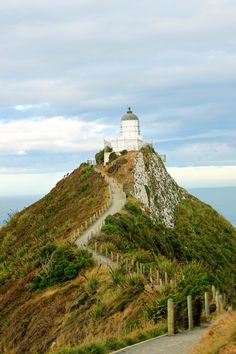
(178, 344)
(118, 198)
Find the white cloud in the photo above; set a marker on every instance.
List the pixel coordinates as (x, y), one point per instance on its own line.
(54, 134)
(210, 134)
(203, 153)
(204, 176)
(26, 107)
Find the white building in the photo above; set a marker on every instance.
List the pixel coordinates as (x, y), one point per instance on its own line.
(129, 138)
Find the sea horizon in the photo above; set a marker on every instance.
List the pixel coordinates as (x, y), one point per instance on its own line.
(222, 199)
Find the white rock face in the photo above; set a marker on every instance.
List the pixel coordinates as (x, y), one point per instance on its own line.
(156, 188)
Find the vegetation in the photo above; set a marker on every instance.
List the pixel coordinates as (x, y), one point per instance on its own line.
(220, 338)
(195, 282)
(61, 263)
(52, 295)
(113, 156)
(200, 234)
(148, 148)
(112, 343)
(49, 221)
(124, 152)
(99, 157)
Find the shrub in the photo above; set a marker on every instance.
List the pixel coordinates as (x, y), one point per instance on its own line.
(98, 311)
(113, 156)
(124, 152)
(92, 285)
(99, 157)
(62, 264)
(86, 172)
(116, 277)
(84, 187)
(108, 149)
(148, 148)
(113, 344)
(133, 208)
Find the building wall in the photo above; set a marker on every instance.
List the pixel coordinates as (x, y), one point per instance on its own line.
(130, 129)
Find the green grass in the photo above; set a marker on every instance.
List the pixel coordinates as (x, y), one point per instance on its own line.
(61, 263)
(51, 220)
(111, 344)
(200, 235)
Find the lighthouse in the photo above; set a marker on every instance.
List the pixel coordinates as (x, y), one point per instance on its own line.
(129, 138)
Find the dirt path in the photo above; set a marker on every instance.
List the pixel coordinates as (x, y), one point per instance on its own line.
(178, 344)
(118, 199)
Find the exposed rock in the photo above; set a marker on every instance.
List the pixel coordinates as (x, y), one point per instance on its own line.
(156, 188)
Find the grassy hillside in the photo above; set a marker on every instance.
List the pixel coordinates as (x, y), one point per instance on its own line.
(51, 294)
(53, 298)
(200, 234)
(51, 220)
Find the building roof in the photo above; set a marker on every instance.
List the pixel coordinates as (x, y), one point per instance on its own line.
(130, 115)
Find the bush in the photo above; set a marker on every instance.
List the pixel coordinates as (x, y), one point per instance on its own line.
(113, 156)
(148, 148)
(99, 157)
(116, 277)
(133, 208)
(113, 344)
(124, 152)
(98, 311)
(195, 283)
(92, 285)
(62, 264)
(84, 187)
(108, 149)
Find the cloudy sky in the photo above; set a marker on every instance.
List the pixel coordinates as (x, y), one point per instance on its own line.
(70, 68)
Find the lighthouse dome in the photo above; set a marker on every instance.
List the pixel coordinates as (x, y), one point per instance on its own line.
(129, 116)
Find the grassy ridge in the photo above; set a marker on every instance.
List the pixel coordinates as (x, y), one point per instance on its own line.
(200, 234)
(52, 219)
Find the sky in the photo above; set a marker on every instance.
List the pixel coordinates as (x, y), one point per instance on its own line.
(70, 68)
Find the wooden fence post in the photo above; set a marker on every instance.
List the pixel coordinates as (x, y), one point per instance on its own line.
(217, 302)
(166, 278)
(170, 312)
(190, 312)
(221, 305)
(213, 289)
(206, 297)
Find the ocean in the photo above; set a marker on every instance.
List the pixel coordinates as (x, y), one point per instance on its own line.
(222, 199)
(10, 205)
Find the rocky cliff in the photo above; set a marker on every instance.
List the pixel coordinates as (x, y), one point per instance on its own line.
(144, 175)
(155, 188)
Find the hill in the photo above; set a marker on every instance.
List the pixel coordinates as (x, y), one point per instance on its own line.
(52, 294)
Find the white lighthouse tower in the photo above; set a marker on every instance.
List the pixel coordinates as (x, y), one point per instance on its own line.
(129, 138)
